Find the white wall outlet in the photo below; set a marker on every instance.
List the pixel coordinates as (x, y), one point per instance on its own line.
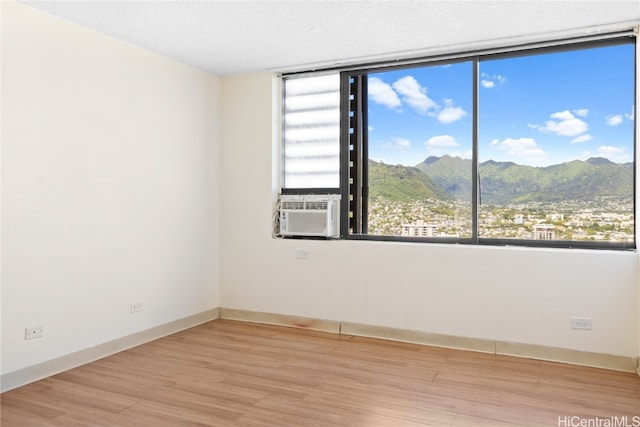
(31, 333)
(581, 323)
(136, 306)
(302, 254)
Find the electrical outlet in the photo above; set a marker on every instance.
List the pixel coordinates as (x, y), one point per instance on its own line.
(31, 333)
(581, 323)
(136, 306)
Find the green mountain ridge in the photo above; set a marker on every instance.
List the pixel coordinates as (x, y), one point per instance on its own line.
(401, 183)
(502, 183)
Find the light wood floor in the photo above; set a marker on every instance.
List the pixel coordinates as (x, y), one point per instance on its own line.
(226, 373)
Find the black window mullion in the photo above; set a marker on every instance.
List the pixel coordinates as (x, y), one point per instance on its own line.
(356, 153)
(345, 153)
(475, 184)
(364, 165)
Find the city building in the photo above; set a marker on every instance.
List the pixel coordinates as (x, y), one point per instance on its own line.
(419, 229)
(543, 232)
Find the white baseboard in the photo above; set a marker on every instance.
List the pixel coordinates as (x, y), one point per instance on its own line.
(33, 373)
(564, 355)
(280, 320)
(42, 370)
(419, 337)
(530, 351)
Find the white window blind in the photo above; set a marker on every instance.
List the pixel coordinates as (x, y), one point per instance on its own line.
(311, 131)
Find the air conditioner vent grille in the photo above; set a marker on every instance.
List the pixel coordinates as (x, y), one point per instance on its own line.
(293, 205)
(317, 205)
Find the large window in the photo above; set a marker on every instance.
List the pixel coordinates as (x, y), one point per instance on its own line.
(530, 147)
(420, 145)
(556, 145)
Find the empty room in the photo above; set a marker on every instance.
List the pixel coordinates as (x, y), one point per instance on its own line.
(319, 213)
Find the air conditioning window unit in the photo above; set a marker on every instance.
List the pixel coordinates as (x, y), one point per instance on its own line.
(310, 215)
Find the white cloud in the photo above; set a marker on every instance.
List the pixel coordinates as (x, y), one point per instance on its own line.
(445, 144)
(613, 119)
(562, 115)
(442, 141)
(522, 149)
(382, 93)
(630, 115)
(400, 144)
(583, 112)
(608, 149)
(617, 119)
(414, 94)
(489, 81)
(449, 113)
(581, 138)
(615, 154)
(564, 124)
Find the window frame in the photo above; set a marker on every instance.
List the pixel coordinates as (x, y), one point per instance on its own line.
(477, 57)
(302, 190)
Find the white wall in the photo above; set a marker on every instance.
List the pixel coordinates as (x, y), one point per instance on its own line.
(507, 294)
(110, 188)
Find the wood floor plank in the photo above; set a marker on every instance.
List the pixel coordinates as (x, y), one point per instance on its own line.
(10, 416)
(300, 408)
(268, 385)
(392, 408)
(26, 407)
(237, 374)
(156, 414)
(465, 421)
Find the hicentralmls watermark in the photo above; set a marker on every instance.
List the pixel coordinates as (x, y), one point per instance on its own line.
(614, 421)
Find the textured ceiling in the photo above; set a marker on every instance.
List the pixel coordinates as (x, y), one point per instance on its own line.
(238, 37)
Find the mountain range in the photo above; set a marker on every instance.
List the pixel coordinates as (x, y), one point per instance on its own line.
(502, 183)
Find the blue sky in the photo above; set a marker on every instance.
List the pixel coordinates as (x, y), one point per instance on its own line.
(536, 110)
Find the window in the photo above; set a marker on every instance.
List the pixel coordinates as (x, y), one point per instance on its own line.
(556, 145)
(416, 117)
(311, 131)
(531, 147)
